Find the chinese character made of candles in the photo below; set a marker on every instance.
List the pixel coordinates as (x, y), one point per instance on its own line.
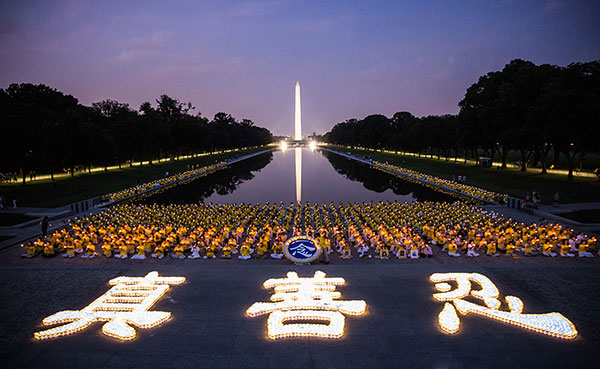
(552, 324)
(127, 302)
(306, 299)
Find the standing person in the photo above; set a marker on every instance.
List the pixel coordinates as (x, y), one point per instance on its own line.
(324, 243)
(45, 223)
(555, 199)
(536, 200)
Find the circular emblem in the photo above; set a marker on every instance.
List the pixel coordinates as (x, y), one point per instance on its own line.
(302, 249)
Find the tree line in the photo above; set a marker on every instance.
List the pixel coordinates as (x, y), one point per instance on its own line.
(534, 110)
(44, 130)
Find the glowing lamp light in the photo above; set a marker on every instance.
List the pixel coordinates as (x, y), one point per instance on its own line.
(312, 145)
(448, 319)
(552, 324)
(127, 302)
(283, 145)
(306, 299)
(277, 328)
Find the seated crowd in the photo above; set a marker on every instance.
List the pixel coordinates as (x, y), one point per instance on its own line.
(512, 240)
(369, 230)
(170, 180)
(476, 192)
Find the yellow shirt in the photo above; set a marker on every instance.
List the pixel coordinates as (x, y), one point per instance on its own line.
(30, 249)
(107, 249)
(210, 251)
(245, 250)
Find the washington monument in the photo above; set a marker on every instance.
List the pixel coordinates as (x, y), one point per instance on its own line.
(298, 116)
(298, 150)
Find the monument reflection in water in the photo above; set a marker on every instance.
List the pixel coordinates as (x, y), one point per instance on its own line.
(297, 175)
(298, 155)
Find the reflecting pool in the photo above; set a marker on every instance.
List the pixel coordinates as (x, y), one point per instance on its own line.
(298, 174)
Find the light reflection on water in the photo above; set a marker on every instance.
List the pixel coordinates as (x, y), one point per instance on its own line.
(315, 180)
(298, 157)
(293, 175)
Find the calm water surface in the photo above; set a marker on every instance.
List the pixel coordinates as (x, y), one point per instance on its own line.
(286, 176)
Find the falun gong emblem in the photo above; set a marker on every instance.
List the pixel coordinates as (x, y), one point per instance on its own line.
(302, 249)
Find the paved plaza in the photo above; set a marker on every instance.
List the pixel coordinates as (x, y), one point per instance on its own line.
(209, 327)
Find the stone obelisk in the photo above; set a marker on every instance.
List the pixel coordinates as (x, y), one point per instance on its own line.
(298, 116)
(297, 150)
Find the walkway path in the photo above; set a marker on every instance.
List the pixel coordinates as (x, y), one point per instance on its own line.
(571, 207)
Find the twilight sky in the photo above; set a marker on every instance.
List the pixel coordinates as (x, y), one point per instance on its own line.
(352, 58)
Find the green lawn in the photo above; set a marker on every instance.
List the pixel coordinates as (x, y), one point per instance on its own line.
(85, 186)
(583, 216)
(591, 162)
(7, 220)
(510, 181)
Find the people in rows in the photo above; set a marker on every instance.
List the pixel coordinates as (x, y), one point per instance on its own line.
(368, 230)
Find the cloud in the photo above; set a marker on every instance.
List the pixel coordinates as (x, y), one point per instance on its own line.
(552, 6)
(140, 47)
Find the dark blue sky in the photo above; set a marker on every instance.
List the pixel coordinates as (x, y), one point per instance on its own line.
(352, 58)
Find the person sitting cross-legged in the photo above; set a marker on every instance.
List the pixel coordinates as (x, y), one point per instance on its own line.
(29, 250)
(583, 253)
(141, 252)
(471, 250)
(547, 249)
